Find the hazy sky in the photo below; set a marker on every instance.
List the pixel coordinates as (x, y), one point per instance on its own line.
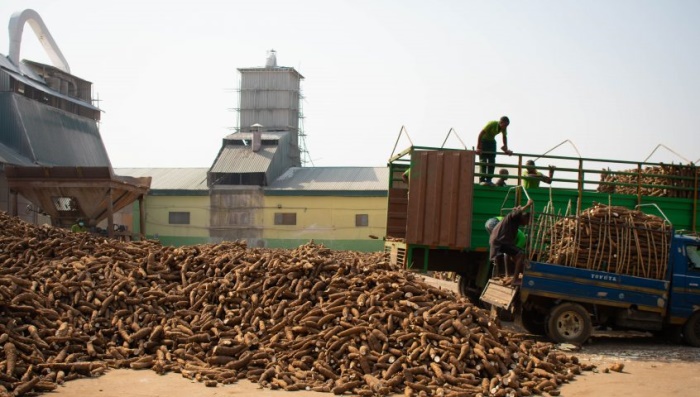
(615, 77)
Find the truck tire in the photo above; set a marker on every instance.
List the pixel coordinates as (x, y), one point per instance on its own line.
(504, 315)
(532, 320)
(691, 330)
(671, 333)
(463, 286)
(468, 291)
(569, 323)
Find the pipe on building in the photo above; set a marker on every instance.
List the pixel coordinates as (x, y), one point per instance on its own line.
(16, 27)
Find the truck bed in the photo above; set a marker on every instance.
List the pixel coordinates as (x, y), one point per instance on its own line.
(596, 287)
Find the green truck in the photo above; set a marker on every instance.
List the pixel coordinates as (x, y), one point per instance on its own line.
(435, 220)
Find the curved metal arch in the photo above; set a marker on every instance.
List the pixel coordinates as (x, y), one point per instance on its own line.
(16, 27)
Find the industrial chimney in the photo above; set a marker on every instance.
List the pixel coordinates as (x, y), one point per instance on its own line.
(271, 61)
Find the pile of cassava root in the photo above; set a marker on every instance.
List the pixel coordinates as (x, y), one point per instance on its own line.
(666, 180)
(74, 305)
(607, 238)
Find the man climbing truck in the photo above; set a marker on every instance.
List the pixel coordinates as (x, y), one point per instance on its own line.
(610, 267)
(439, 226)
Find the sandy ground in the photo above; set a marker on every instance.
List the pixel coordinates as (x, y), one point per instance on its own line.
(651, 368)
(639, 378)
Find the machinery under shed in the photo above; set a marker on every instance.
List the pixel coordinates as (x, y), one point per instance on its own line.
(53, 160)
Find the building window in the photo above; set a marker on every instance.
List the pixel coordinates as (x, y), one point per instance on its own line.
(65, 204)
(179, 218)
(285, 218)
(361, 220)
(693, 257)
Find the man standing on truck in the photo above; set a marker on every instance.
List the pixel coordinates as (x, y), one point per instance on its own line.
(486, 147)
(504, 235)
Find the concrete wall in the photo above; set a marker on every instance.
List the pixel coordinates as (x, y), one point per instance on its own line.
(236, 214)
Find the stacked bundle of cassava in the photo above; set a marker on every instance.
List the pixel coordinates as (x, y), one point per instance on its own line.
(607, 238)
(75, 305)
(674, 180)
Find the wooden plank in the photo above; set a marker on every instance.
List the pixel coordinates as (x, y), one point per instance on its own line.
(440, 199)
(498, 294)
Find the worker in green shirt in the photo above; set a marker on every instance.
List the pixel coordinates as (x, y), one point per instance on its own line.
(79, 227)
(486, 147)
(532, 177)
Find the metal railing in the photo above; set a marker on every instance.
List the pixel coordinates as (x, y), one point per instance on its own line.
(640, 179)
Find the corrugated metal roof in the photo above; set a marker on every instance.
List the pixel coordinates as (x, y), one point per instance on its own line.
(248, 136)
(169, 178)
(275, 69)
(333, 179)
(49, 136)
(242, 159)
(10, 156)
(23, 69)
(236, 157)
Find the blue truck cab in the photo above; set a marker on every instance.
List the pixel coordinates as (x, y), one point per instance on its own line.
(566, 303)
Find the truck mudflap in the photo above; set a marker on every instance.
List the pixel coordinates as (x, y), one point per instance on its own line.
(499, 295)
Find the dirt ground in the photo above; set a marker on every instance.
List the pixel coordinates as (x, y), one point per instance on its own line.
(651, 368)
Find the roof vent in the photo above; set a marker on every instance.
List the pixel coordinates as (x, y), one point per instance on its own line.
(257, 136)
(271, 61)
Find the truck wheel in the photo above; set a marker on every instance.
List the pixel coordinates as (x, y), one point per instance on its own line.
(467, 291)
(463, 286)
(505, 315)
(532, 320)
(691, 330)
(569, 323)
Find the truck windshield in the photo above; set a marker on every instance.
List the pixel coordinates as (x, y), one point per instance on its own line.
(693, 256)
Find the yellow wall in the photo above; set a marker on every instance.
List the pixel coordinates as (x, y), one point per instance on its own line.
(158, 208)
(324, 217)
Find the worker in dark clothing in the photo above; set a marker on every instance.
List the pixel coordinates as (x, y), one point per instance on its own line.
(504, 235)
(520, 240)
